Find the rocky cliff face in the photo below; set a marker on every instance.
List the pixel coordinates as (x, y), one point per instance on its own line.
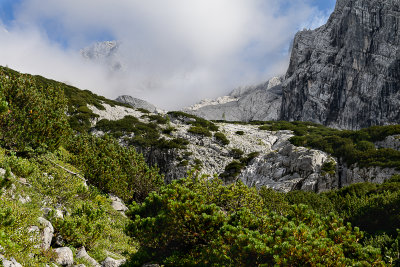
(261, 102)
(346, 74)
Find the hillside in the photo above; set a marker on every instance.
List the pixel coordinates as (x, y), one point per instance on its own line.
(69, 163)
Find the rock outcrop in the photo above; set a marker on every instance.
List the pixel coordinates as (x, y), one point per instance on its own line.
(290, 168)
(136, 102)
(346, 74)
(280, 165)
(261, 102)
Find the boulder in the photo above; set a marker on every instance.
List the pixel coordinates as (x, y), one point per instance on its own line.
(65, 257)
(82, 254)
(110, 262)
(47, 233)
(117, 203)
(9, 263)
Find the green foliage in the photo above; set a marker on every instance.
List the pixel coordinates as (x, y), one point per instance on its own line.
(221, 138)
(349, 146)
(232, 170)
(328, 167)
(200, 131)
(239, 132)
(236, 153)
(114, 168)
(36, 114)
(77, 100)
(84, 226)
(158, 118)
(145, 135)
(194, 120)
(198, 221)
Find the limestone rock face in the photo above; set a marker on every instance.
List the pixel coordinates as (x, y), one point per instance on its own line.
(354, 174)
(136, 102)
(392, 142)
(346, 74)
(261, 102)
(290, 168)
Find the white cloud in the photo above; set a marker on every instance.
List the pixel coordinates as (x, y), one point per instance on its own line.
(175, 52)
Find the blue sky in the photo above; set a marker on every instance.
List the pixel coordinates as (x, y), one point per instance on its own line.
(173, 52)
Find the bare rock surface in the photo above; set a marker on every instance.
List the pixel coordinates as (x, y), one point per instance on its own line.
(261, 102)
(345, 74)
(82, 254)
(65, 256)
(110, 262)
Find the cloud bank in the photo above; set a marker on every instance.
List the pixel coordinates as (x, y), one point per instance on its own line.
(174, 52)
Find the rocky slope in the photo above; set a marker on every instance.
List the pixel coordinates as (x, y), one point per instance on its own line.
(345, 74)
(275, 163)
(261, 102)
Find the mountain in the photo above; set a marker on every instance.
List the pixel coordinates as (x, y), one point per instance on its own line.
(106, 53)
(345, 74)
(261, 102)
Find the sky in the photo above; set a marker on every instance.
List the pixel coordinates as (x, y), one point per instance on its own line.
(173, 52)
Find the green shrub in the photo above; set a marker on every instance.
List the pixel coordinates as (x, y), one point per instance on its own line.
(114, 168)
(84, 226)
(239, 132)
(232, 170)
(328, 167)
(221, 138)
(195, 121)
(36, 116)
(199, 222)
(200, 131)
(236, 153)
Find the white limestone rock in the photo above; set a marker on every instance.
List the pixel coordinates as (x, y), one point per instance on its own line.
(65, 256)
(110, 262)
(82, 254)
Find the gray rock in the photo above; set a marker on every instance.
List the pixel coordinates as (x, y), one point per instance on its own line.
(82, 254)
(345, 74)
(117, 203)
(392, 142)
(47, 233)
(9, 263)
(290, 168)
(110, 262)
(261, 102)
(354, 174)
(136, 102)
(65, 256)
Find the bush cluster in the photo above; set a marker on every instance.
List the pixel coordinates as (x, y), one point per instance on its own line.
(198, 221)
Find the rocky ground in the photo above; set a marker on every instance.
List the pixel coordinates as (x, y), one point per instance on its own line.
(279, 164)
